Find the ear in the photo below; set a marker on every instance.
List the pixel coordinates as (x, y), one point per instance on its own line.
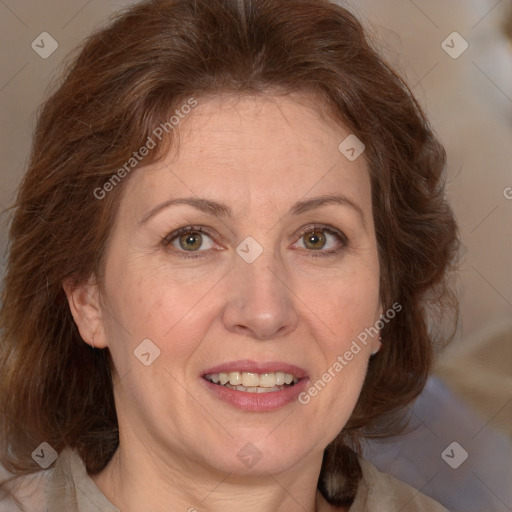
(84, 303)
(376, 342)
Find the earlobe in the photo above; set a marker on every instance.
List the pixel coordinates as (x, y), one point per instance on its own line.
(377, 344)
(377, 349)
(85, 306)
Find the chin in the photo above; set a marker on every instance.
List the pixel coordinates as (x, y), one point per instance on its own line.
(258, 454)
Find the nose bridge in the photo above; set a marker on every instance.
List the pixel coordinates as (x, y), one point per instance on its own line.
(256, 272)
(258, 302)
(259, 278)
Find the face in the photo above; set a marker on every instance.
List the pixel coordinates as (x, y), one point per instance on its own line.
(225, 263)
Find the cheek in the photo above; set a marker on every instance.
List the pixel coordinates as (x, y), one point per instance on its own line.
(151, 304)
(353, 305)
(338, 378)
(348, 305)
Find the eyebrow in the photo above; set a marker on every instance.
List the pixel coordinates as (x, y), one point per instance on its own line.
(221, 210)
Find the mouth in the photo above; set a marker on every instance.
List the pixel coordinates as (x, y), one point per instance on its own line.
(251, 382)
(257, 387)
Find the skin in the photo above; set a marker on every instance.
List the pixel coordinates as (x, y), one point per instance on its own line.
(179, 443)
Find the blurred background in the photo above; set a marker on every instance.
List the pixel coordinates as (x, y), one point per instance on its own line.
(457, 58)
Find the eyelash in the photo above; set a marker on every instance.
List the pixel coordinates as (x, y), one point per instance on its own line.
(167, 241)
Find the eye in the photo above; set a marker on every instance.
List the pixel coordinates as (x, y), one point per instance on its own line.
(324, 239)
(189, 239)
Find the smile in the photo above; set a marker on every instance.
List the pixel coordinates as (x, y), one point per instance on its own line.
(255, 386)
(253, 382)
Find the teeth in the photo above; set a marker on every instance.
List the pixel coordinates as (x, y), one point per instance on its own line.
(250, 379)
(252, 382)
(280, 376)
(267, 380)
(235, 378)
(253, 389)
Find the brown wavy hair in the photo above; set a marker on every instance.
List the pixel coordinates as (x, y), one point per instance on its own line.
(124, 82)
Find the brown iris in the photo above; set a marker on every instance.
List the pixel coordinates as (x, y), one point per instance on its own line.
(314, 238)
(191, 241)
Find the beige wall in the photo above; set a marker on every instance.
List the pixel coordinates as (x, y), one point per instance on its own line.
(469, 100)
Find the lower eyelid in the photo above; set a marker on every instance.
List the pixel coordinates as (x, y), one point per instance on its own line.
(342, 240)
(339, 235)
(168, 241)
(339, 238)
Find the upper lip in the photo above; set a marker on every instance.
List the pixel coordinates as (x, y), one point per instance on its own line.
(249, 366)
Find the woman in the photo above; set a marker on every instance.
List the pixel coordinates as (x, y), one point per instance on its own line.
(224, 258)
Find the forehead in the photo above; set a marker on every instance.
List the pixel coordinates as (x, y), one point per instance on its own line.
(255, 150)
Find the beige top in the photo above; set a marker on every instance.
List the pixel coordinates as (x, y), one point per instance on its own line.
(68, 488)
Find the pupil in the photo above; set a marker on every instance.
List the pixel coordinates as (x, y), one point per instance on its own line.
(314, 238)
(191, 241)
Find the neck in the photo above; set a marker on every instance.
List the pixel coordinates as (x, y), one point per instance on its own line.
(139, 479)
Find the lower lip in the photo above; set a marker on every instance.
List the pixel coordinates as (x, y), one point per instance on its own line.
(257, 402)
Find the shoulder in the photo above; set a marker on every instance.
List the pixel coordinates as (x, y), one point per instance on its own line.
(71, 489)
(24, 493)
(380, 492)
(66, 487)
(377, 491)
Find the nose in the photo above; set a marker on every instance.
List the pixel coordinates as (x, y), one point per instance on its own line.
(259, 302)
